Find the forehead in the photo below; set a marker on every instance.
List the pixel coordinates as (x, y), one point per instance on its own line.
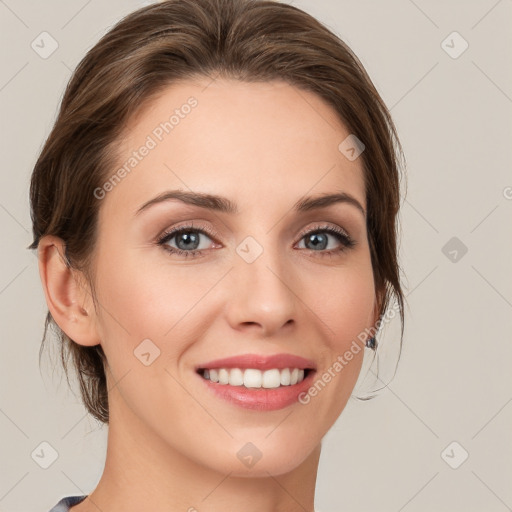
(266, 140)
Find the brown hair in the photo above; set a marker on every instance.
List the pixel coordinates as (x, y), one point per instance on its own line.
(154, 47)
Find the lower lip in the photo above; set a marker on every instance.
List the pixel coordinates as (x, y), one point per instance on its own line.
(260, 399)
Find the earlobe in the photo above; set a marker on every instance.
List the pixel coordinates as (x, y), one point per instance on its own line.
(65, 294)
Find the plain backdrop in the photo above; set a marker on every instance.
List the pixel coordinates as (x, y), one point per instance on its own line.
(438, 436)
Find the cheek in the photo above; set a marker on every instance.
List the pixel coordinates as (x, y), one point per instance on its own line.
(344, 299)
(344, 302)
(340, 303)
(142, 297)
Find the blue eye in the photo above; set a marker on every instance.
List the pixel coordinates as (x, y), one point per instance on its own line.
(318, 238)
(189, 238)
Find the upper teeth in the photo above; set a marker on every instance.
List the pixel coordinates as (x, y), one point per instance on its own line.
(253, 378)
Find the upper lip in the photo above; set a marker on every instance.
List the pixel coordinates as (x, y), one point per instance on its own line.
(260, 362)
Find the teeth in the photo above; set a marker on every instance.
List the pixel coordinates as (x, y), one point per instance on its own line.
(285, 377)
(271, 379)
(223, 376)
(236, 377)
(253, 378)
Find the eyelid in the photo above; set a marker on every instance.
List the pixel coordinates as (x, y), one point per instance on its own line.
(187, 225)
(324, 227)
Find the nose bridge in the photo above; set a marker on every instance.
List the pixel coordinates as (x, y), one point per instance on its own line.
(263, 291)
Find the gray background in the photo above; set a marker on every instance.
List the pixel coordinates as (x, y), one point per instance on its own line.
(453, 382)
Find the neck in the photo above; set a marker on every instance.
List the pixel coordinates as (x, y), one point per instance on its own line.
(151, 475)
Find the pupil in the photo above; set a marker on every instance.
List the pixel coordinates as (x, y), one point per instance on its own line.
(314, 240)
(189, 238)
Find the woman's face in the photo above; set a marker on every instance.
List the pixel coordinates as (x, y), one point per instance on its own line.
(246, 282)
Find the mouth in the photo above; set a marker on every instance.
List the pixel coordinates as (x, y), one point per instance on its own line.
(254, 378)
(258, 381)
(260, 390)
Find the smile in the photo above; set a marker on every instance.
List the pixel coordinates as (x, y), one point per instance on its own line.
(255, 378)
(263, 382)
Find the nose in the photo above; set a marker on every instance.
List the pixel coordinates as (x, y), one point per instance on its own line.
(263, 298)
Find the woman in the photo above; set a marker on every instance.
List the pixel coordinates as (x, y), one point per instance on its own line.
(215, 216)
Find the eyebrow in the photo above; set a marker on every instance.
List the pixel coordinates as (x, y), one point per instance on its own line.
(225, 205)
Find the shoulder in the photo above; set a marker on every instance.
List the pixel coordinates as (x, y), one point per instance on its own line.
(65, 503)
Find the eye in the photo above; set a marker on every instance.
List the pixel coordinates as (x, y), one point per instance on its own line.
(188, 240)
(318, 240)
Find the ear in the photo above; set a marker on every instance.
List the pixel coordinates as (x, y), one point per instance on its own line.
(68, 297)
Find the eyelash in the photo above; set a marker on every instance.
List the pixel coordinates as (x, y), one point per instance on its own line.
(346, 241)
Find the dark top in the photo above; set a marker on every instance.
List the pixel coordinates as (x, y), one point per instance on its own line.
(67, 502)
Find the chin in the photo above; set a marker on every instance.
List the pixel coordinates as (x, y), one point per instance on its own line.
(261, 458)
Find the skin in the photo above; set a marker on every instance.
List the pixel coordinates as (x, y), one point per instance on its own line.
(172, 444)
